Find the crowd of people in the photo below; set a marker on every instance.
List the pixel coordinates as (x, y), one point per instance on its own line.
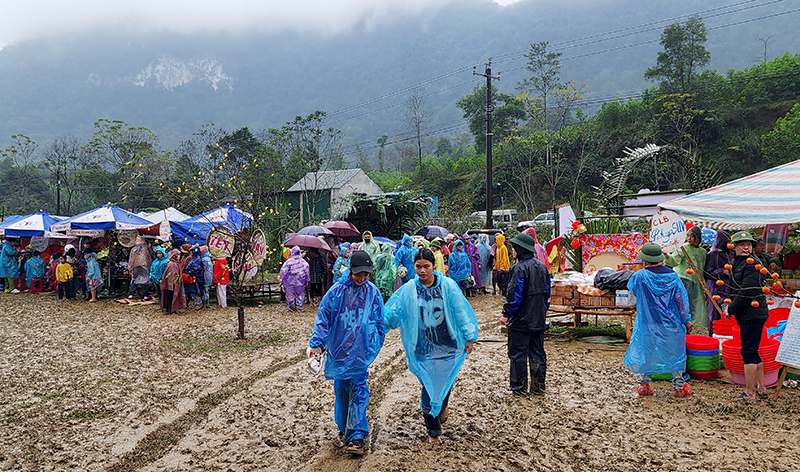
(420, 289)
(184, 273)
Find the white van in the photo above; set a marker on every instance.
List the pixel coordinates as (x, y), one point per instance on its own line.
(503, 218)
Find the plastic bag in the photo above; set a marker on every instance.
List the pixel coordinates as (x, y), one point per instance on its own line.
(610, 279)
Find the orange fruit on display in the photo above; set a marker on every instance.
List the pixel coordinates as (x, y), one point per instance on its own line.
(690, 271)
(750, 260)
(797, 304)
(715, 298)
(720, 283)
(731, 245)
(777, 284)
(775, 276)
(754, 304)
(764, 270)
(765, 289)
(758, 266)
(728, 267)
(728, 300)
(770, 302)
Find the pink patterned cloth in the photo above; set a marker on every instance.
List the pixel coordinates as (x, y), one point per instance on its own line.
(627, 245)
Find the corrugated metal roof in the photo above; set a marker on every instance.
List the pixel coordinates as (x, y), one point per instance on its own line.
(324, 180)
(768, 197)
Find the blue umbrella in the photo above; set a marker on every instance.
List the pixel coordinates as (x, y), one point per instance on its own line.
(430, 232)
(383, 240)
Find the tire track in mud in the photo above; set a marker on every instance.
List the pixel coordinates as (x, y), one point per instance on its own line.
(380, 379)
(159, 442)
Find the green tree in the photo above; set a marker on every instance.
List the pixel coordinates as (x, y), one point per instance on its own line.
(507, 113)
(782, 144)
(683, 55)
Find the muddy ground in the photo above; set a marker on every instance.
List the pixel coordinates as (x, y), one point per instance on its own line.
(110, 387)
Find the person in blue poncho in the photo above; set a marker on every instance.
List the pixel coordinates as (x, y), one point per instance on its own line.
(459, 266)
(438, 328)
(658, 342)
(94, 276)
(349, 329)
(342, 262)
(404, 257)
(157, 268)
(9, 264)
(34, 268)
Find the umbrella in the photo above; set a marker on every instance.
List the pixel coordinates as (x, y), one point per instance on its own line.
(342, 228)
(430, 232)
(35, 224)
(305, 240)
(316, 231)
(383, 240)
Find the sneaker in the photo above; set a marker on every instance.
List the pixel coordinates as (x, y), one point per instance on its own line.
(536, 389)
(645, 390)
(683, 391)
(15, 291)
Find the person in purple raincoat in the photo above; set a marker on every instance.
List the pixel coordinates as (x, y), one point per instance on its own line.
(294, 277)
(714, 270)
(474, 258)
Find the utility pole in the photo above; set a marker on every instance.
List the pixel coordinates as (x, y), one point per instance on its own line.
(489, 109)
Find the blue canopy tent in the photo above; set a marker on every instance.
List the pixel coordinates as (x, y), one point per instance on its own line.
(195, 230)
(104, 218)
(35, 224)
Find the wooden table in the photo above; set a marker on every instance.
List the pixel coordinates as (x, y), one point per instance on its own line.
(628, 313)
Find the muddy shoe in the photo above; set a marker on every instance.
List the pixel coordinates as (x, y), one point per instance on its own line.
(683, 391)
(519, 393)
(645, 390)
(355, 447)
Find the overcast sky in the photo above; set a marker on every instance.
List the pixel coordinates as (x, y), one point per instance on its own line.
(26, 19)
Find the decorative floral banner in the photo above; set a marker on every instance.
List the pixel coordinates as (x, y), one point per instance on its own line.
(627, 245)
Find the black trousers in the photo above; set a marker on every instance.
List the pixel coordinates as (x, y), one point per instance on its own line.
(526, 349)
(432, 423)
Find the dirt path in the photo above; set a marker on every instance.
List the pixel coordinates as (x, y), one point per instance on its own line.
(108, 387)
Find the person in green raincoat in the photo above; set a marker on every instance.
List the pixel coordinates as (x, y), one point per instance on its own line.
(369, 245)
(385, 271)
(677, 260)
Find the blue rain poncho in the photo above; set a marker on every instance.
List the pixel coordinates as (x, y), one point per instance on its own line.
(458, 263)
(158, 266)
(94, 276)
(9, 261)
(658, 342)
(342, 262)
(435, 324)
(34, 269)
(349, 327)
(404, 256)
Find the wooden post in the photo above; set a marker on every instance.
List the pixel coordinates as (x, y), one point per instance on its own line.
(786, 369)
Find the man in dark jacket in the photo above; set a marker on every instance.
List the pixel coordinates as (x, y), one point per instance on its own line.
(527, 301)
(318, 271)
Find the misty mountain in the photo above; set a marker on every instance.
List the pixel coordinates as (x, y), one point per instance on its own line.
(175, 83)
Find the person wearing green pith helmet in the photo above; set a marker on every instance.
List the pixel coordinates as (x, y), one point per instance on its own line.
(678, 261)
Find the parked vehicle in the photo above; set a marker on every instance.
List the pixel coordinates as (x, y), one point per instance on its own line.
(542, 219)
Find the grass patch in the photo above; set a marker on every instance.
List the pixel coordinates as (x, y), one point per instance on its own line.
(614, 331)
(89, 415)
(743, 409)
(222, 343)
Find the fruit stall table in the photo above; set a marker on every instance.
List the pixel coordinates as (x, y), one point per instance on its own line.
(565, 299)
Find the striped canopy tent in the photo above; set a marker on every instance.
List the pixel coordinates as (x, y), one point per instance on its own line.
(104, 218)
(768, 197)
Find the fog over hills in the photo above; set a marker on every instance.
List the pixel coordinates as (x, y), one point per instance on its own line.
(174, 81)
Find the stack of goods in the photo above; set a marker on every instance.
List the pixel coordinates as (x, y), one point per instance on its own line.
(581, 295)
(723, 329)
(702, 357)
(564, 294)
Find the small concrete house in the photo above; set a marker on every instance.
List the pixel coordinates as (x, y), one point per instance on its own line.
(318, 195)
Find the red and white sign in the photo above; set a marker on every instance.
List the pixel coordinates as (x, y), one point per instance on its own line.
(668, 230)
(220, 242)
(127, 237)
(258, 246)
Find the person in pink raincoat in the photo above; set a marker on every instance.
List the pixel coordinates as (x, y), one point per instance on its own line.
(475, 258)
(541, 254)
(294, 277)
(172, 296)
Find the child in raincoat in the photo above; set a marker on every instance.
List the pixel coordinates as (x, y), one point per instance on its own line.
(294, 277)
(34, 268)
(94, 277)
(438, 328)
(221, 278)
(157, 268)
(349, 329)
(658, 342)
(64, 277)
(342, 262)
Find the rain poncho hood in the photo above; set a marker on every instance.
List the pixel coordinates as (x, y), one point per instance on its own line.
(342, 262)
(404, 256)
(541, 253)
(458, 264)
(372, 247)
(434, 342)
(158, 266)
(658, 343)
(501, 260)
(349, 327)
(9, 260)
(295, 271)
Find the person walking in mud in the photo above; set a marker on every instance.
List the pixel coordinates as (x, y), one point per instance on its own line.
(349, 330)
(527, 301)
(438, 328)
